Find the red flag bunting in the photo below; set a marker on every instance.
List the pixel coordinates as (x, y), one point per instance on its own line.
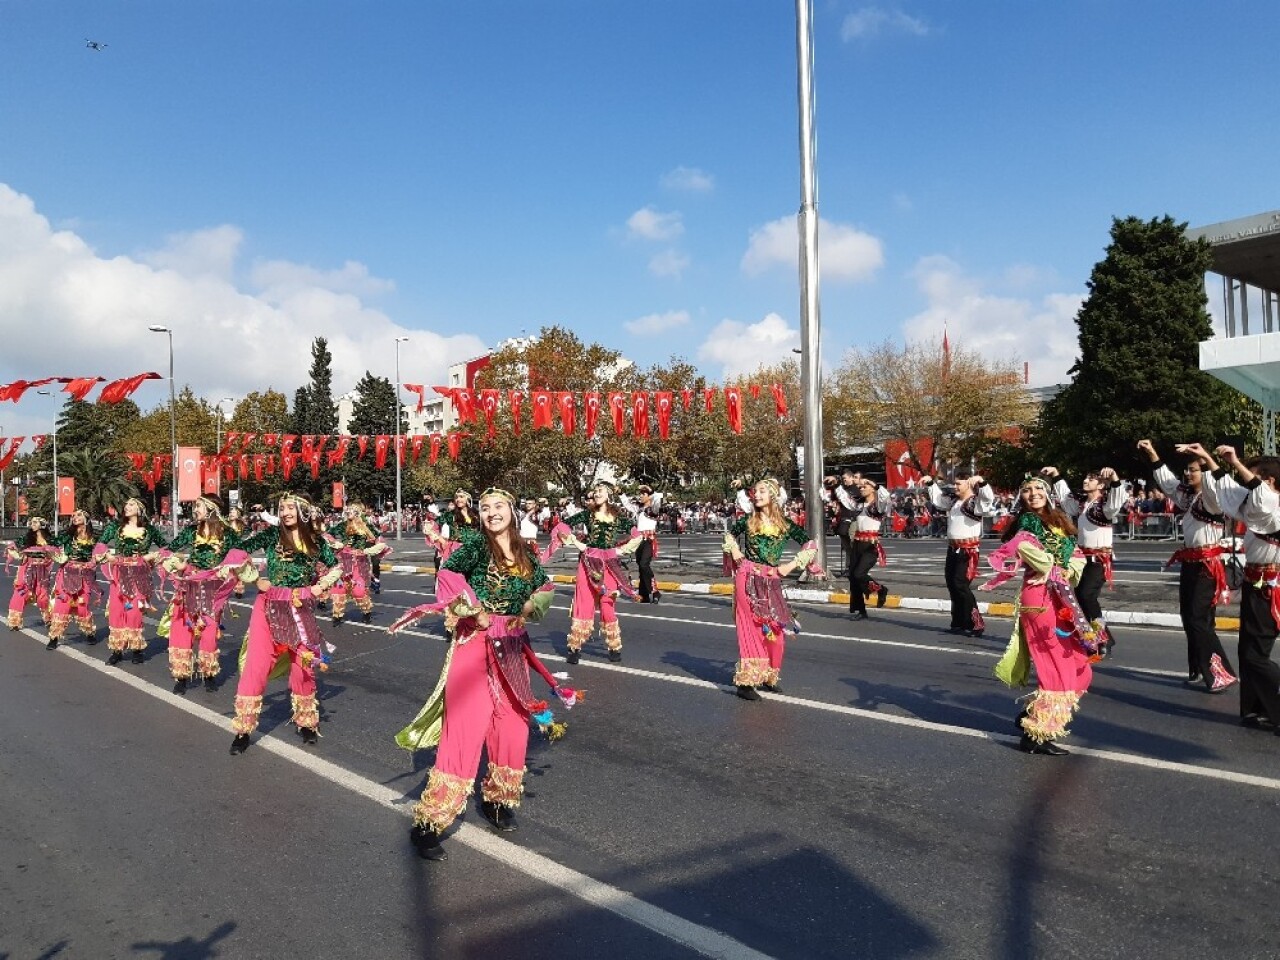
(455, 444)
(421, 390)
(686, 397)
(568, 421)
(79, 387)
(14, 391)
(541, 410)
(464, 402)
(617, 410)
(640, 413)
(779, 399)
(708, 394)
(514, 398)
(415, 450)
(662, 402)
(489, 404)
(380, 447)
(755, 391)
(591, 401)
(733, 407)
(362, 444)
(118, 390)
(435, 448)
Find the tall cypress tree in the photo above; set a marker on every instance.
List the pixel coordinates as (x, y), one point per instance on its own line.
(1138, 374)
(314, 415)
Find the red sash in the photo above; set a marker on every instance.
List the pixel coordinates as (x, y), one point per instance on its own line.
(1265, 576)
(1103, 556)
(1211, 557)
(866, 537)
(970, 548)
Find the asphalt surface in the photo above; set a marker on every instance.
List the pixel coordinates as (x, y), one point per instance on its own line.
(879, 808)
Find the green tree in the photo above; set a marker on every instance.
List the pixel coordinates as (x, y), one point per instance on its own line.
(1138, 374)
(100, 482)
(95, 426)
(373, 413)
(260, 412)
(766, 446)
(315, 415)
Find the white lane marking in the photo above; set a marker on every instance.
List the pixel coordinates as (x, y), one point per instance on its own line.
(700, 939)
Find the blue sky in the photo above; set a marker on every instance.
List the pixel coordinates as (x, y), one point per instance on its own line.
(255, 173)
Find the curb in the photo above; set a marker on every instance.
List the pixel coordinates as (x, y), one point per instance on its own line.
(1130, 617)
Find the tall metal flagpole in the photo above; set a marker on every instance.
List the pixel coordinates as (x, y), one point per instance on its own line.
(810, 321)
(399, 507)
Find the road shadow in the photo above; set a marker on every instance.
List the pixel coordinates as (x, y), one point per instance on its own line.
(188, 948)
(712, 669)
(936, 704)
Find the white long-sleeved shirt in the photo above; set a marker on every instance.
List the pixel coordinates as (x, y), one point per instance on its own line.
(646, 517)
(529, 525)
(1201, 527)
(867, 517)
(1094, 518)
(1256, 505)
(964, 517)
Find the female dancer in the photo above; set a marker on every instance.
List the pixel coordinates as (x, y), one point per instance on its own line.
(460, 517)
(760, 610)
(74, 590)
(35, 564)
(1050, 628)
(235, 521)
(204, 578)
(135, 545)
(600, 576)
(283, 622)
(483, 697)
(360, 543)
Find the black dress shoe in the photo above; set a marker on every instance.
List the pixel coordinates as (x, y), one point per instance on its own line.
(771, 687)
(499, 816)
(368, 617)
(427, 843)
(857, 615)
(957, 631)
(210, 685)
(138, 657)
(975, 634)
(1255, 721)
(1192, 678)
(1046, 749)
(240, 744)
(615, 656)
(116, 657)
(51, 645)
(180, 685)
(91, 640)
(309, 735)
(747, 693)
(881, 596)
(657, 595)
(573, 656)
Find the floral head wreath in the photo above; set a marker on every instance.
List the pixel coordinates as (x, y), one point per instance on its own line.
(213, 507)
(1033, 481)
(305, 509)
(773, 486)
(609, 488)
(142, 507)
(466, 495)
(497, 492)
(37, 523)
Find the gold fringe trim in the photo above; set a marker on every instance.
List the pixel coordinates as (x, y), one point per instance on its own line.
(180, 663)
(125, 638)
(306, 710)
(442, 800)
(364, 604)
(15, 619)
(755, 672)
(207, 661)
(86, 625)
(338, 605)
(579, 633)
(612, 635)
(58, 626)
(503, 785)
(247, 712)
(1048, 714)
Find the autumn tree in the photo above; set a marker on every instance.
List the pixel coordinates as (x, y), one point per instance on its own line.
(767, 445)
(949, 401)
(260, 412)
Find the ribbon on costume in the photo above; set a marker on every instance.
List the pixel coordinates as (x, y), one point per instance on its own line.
(874, 538)
(970, 549)
(596, 561)
(770, 611)
(1101, 555)
(1211, 558)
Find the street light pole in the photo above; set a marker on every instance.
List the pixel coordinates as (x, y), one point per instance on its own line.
(173, 435)
(55, 467)
(217, 438)
(810, 322)
(399, 526)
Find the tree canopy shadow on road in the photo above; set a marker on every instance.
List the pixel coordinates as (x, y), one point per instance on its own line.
(711, 669)
(984, 711)
(188, 948)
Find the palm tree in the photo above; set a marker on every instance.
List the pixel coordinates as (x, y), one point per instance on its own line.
(100, 483)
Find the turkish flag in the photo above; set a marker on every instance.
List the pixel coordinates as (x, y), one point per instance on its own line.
(755, 391)
(541, 410)
(455, 445)
(514, 398)
(188, 474)
(591, 401)
(259, 465)
(229, 472)
(435, 448)
(118, 390)
(66, 496)
(14, 444)
(421, 390)
(212, 485)
(464, 402)
(779, 400)
(79, 387)
(568, 421)
(380, 446)
(400, 445)
(489, 404)
(339, 495)
(362, 444)
(39, 439)
(686, 396)
(640, 413)
(271, 464)
(707, 394)
(287, 460)
(617, 410)
(246, 439)
(733, 407)
(416, 447)
(244, 466)
(270, 439)
(662, 401)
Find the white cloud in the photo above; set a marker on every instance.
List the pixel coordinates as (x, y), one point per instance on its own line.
(210, 252)
(743, 348)
(668, 263)
(688, 180)
(68, 311)
(657, 322)
(649, 224)
(1040, 330)
(844, 253)
(871, 21)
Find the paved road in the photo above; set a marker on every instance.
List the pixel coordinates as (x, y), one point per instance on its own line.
(877, 809)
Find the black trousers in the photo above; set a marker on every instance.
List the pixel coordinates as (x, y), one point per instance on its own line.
(375, 567)
(1090, 589)
(1259, 674)
(842, 532)
(862, 557)
(1195, 603)
(644, 557)
(964, 605)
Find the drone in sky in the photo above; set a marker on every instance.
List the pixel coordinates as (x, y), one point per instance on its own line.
(94, 44)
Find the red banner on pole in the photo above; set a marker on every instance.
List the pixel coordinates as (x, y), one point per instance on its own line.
(640, 413)
(66, 496)
(566, 401)
(733, 407)
(513, 399)
(188, 474)
(617, 410)
(591, 401)
(542, 409)
(339, 495)
(662, 401)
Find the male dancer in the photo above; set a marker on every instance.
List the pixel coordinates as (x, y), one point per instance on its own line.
(972, 499)
(644, 509)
